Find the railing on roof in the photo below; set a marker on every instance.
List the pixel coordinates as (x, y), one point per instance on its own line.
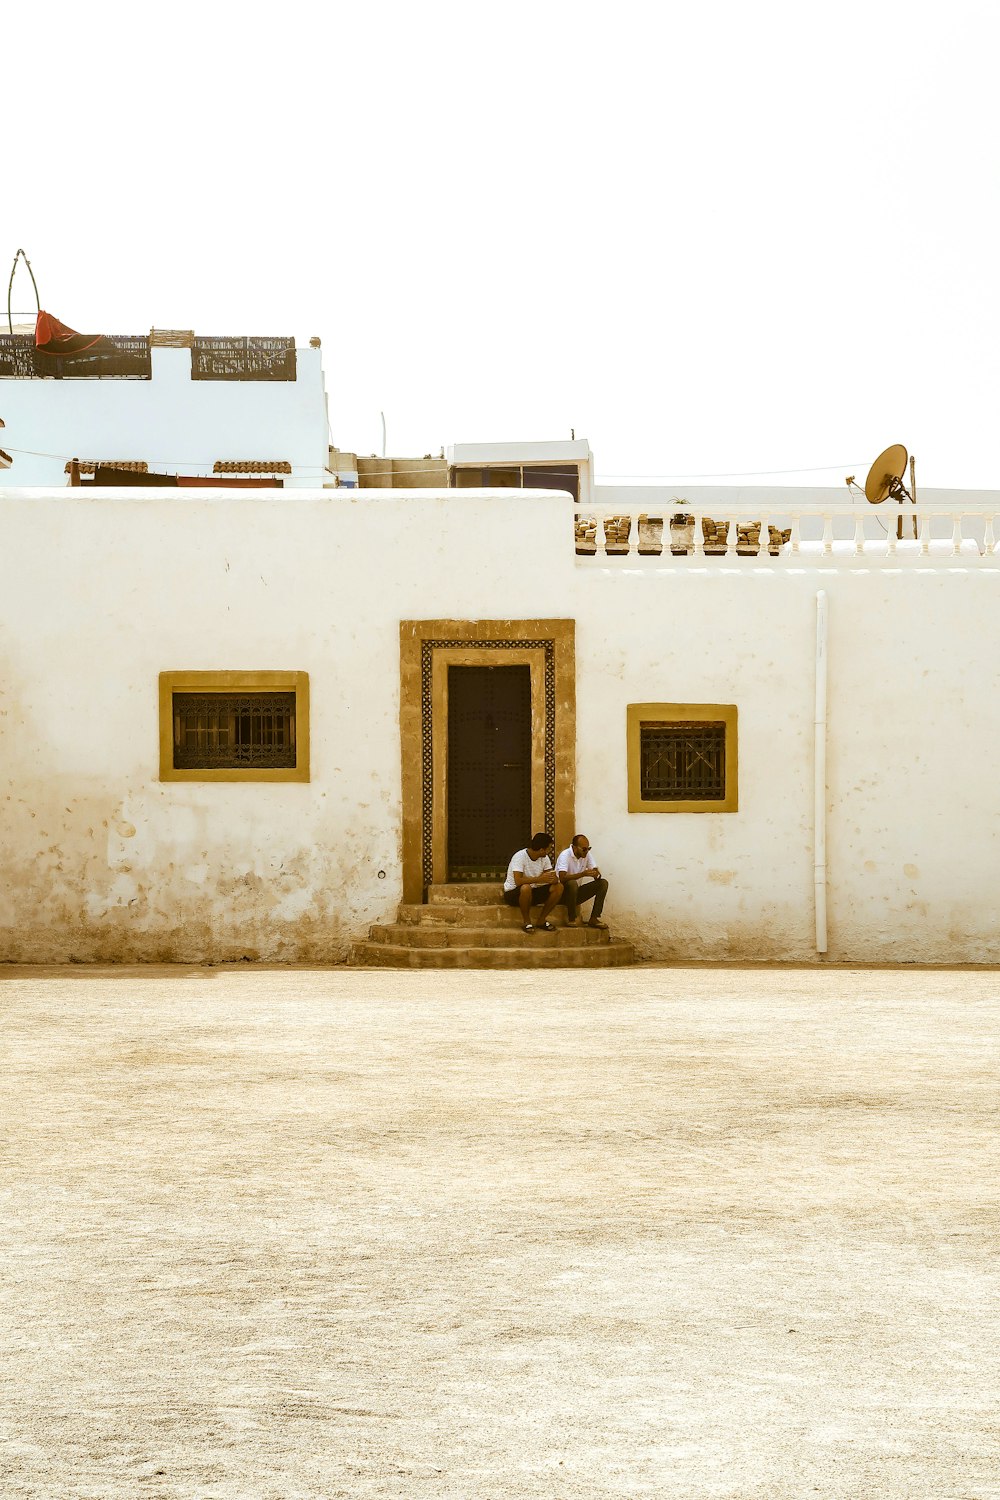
(243, 359)
(20, 360)
(827, 534)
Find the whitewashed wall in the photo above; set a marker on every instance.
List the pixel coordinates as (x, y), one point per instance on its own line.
(98, 594)
(175, 424)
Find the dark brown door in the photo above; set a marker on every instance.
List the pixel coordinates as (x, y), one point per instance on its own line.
(489, 769)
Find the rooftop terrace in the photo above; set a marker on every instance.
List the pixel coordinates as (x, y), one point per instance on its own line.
(212, 358)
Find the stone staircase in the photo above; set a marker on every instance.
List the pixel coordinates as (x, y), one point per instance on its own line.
(469, 927)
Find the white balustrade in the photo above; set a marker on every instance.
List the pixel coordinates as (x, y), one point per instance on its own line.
(859, 535)
(890, 535)
(845, 535)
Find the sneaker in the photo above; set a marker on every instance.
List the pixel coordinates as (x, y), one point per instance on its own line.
(529, 927)
(546, 927)
(596, 922)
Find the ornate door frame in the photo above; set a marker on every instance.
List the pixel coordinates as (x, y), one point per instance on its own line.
(426, 649)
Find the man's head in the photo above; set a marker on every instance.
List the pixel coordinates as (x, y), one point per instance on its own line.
(580, 845)
(540, 842)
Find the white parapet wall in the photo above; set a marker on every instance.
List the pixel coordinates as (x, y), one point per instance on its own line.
(101, 592)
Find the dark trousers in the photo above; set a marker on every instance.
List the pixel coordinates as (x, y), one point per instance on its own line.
(539, 893)
(575, 893)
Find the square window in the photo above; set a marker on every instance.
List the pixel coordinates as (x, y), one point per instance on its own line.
(234, 726)
(682, 761)
(682, 757)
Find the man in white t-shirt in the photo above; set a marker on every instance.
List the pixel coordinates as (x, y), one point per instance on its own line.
(531, 879)
(581, 880)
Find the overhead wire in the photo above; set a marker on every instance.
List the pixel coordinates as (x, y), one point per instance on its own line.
(734, 474)
(434, 468)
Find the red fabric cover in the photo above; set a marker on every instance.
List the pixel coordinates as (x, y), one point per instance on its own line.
(53, 337)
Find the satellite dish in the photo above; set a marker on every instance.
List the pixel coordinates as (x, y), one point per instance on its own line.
(885, 477)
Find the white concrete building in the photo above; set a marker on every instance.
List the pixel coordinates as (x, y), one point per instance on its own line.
(565, 466)
(173, 403)
(674, 714)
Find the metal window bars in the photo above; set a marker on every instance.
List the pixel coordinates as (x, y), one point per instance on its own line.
(682, 761)
(220, 731)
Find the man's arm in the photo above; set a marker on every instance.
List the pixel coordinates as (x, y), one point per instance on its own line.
(547, 877)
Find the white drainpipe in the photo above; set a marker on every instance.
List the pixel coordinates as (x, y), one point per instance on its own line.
(819, 815)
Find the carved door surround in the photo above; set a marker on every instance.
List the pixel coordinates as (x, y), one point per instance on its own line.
(427, 649)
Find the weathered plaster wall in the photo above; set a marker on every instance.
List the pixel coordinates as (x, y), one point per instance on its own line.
(913, 714)
(98, 594)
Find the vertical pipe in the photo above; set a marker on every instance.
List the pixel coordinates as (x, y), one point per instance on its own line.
(819, 814)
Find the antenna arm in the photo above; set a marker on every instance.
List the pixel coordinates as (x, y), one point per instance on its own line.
(20, 255)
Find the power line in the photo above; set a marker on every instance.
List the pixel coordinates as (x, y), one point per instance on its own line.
(734, 474)
(304, 471)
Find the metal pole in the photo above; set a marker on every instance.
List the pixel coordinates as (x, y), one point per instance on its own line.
(819, 759)
(10, 284)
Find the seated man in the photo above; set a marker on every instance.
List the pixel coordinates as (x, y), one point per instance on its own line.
(530, 879)
(574, 866)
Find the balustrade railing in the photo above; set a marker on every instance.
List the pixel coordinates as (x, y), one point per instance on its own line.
(243, 359)
(211, 359)
(840, 532)
(128, 360)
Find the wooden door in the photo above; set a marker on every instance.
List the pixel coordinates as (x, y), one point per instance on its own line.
(489, 769)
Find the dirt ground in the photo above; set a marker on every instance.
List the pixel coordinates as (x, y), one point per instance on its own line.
(271, 1234)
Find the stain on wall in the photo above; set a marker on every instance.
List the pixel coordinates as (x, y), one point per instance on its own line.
(102, 862)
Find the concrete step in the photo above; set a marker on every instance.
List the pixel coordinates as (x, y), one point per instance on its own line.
(472, 914)
(397, 956)
(451, 935)
(474, 893)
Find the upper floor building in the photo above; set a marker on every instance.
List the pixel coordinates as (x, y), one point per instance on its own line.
(169, 403)
(566, 466)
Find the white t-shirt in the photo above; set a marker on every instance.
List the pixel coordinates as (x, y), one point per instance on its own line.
(569, 864)
(531, 867)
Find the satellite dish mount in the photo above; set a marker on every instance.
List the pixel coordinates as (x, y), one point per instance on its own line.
(885, 481)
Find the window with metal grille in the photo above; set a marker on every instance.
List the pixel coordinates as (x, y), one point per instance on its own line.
(683, 758)
(682, 761)
(233, 730)
(234, 726)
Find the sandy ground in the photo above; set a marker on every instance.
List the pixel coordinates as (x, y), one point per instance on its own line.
(696, 1233)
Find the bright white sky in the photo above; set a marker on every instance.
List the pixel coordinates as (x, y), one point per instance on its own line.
(716, 239)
